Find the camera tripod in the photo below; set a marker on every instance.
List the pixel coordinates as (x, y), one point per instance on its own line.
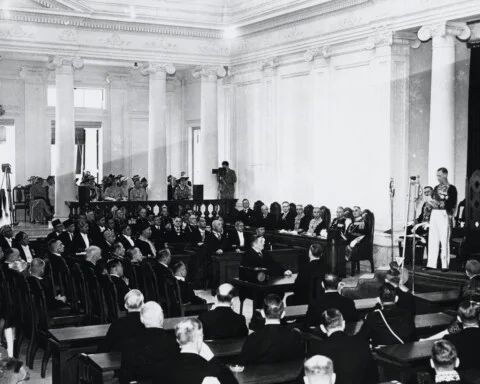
(6, 198)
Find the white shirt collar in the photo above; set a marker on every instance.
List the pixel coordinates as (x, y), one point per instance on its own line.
(181, 278)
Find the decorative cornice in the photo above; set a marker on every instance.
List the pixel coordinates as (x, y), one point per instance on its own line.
(208, 72)
(152, 68)
(118, 80)
(382, 36)
(59, 61)
(33, 75)
(443, 29)
(312, 53)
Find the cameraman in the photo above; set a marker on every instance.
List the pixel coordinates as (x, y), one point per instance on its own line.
(226, 178)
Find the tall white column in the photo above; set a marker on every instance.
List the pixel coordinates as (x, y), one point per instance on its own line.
(157, 129)
(208, 129)
(441, 148)
(65, 189)
(91, 157)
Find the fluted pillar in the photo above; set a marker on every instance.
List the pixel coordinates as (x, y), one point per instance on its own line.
(157, 128)
(441, 149)
(209, 129)
(65, 189)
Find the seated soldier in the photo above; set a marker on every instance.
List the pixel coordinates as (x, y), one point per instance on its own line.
(331, 299)
(255, 258)
(186, 291)
(37, 272)
(274, 342)
(176, 234)
(195, 363)
(266, 219)
(143, 242)
(115, 269)
(317, 224)
(238, 238)
(355, 367)
(143, 354)
(308, 283)
(444, 361)
(246, 215)
(468, 339)
(390, 324)
(218, 241)
(318, 370)
(222, 322)
(126, 327)
(338, 223)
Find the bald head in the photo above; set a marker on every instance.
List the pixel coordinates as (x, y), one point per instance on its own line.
(319, 370)
(93, 254)
(151, 315)
(37, 267)
(133, 301)
(225, 294)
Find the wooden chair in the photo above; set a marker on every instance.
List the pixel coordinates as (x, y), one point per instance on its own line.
(109, 293)
(176, 306)
(151, 285)
(96, 304)
(21, 200)
(366, 247)
(43, 321)
(80, 299)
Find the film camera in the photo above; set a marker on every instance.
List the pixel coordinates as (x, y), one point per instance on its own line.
(6, 168)
(222, 172)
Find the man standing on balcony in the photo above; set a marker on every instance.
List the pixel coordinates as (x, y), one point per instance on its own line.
(226, 178)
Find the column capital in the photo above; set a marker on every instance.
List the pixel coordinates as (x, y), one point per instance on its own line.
(60, 62)
(381, 37)
(154, 68)
(209, 73)
(118, 80)
(268, 66)
(443, 29)
(33, 75)
(312, 53)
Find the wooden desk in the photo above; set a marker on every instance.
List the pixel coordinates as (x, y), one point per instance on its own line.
(226, 266)
(270, 373)
(279, 285)
(101, 363)
(67, 343)
(333, 250)
(436, 301)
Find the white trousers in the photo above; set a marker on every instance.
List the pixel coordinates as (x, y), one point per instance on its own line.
(439, 233)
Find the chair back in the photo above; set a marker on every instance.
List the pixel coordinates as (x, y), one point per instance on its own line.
(40, 310)
(327, 217)
(109, 292)
(80, 299)
(371, 225)
(276, 211)
(96, 303)
(151, 285)
(23, 301)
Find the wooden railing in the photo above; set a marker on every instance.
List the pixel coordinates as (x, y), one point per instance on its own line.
(207, 208)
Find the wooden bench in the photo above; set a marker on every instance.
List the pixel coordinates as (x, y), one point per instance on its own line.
(436, 301)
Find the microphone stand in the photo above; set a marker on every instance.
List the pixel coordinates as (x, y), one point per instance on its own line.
(392, 197)
(418, 193)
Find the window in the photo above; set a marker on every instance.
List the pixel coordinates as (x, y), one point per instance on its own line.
(83, 97)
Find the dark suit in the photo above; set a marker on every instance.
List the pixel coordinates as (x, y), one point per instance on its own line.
(267, 222)
(247, 217)
(319, 227)
(126, 244)
(56, 266)
(144, 248)
(308, 282)
(4, 243)
(190, 368)
(122, 290)
(214, 243)
(345, 305)
(42, 285)
(78, 244)
(121, 330)
(157, 237)
(22, 252)
(52, 236)
(173, 236)
(96, 234)
(252, 259)
(469, 287)
(466, 342)
(194, 236)
(271, 344)
(67, 241)
(351, 358)
(187, 293)
(287, 222)
(234, 239)
(142, 354)
(223, 323)
(304, 223)
(399, 320)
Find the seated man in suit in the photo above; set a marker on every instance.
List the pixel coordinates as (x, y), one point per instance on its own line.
(6, 237)
(472, 270)
(125, 327)
(57, 230)
(222, 322)
(445, 361)
(161, 266)
(301, 223)
(118, 252)
(143, 354)
(355, 367)
(356, 234)
(308, 284)
(265, 219)
(195, 362)
(55, 260)
(246, 214)
(338, 223)
(37, 272)
(143, 242)
(106, 245)
(115, 269)
(97, 229)
(186, 291)
(238, 238)
(176, 234)
(126, 237)
(218, 241)
(287, 221)
(274, 342)
(468, 339)
(318, 370)
(317, 224)
(66, 237)
(390, 324)
(92, 266)
(81, 239)
(260, 231)
(21, 242)
(255, 258)
(157, 233)
(331, 299)
(198, 236)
